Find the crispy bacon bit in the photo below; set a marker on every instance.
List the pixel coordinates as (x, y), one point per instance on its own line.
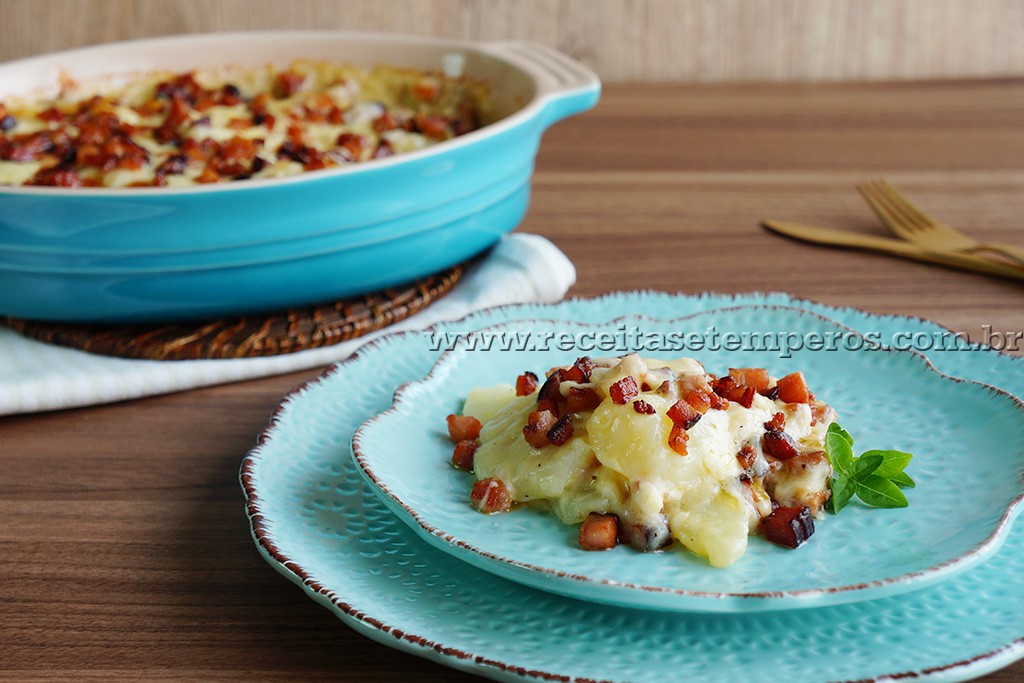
(562, 431)
(729, 389)
(599, 532)
(582, 399)
(780, 445)
(552, 388)
(746, 456)
(538, 424)
(384, 149)
(623, 390)
(173, 165)
(208, 176)
(526, 384)
(426, 89)
(549, 405)
(432, 125)
(644, 386)
(56, 176)
(579, 372)
(677, 439)
(793, 389)
(462, 457)
(287, 83)
(643, 407)
(644, 537)
(717, 402)
(463, 427)
(771, 392)
(788, 526)
(751, 377)
(777, 423)
(384, 123)
(699, 400)
(490, 496)
(683, 415)
(353, 143)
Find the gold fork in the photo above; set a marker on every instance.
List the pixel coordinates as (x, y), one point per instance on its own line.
(914, 225)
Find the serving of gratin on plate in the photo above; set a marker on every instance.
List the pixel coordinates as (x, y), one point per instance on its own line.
(722, 478)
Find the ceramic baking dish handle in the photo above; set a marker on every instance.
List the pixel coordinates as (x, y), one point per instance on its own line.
(565, 86)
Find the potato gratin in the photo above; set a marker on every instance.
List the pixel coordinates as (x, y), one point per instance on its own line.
(643, 451)
(199, 127)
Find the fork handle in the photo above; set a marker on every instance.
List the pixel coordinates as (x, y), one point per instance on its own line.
(1010, 251)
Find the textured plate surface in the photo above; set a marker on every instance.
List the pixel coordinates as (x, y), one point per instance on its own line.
(320, 526)
(958, 431)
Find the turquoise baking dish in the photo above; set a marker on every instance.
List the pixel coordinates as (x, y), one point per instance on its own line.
(159, 254)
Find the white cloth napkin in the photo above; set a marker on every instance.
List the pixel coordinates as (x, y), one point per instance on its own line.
(36, 377)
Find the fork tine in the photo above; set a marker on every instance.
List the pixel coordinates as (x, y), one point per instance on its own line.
(877, 201)
(908, 207)
(888, 210)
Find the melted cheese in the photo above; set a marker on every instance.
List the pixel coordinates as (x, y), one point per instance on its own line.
(619, 461)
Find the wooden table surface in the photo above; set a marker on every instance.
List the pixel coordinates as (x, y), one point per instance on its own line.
(124, 549)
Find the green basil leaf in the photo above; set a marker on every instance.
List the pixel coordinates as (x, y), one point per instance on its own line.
(893, 462)
(903, 480)
(839, 448)
(880, 492)
(843, 489)
(865, 466)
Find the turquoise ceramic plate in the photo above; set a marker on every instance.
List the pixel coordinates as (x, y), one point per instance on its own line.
(317, 523)
(959, 431)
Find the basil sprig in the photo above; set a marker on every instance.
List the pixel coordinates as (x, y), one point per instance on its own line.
(875, 477)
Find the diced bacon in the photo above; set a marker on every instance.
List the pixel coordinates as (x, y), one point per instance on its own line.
(526, 384)
(788, 526)
(353, 144)
(579, 371)
(287, 83)
(643, 407)
(746, 456)
(463, 427)
(426, 89)
(562, 431)
(552, 388)
(384, 123)
(623, 390)
(729, 389)
(490, 496)
(751, 377)
(581, 400)
(777, 423)
(779, 445)
(646, 537)
(538, 424)
(683, 415)
(793, 389)
(699, 400)
(462, 456)
(677, 439)
(717, 402)
(599, 532)
(549, 405)
(432, 125)
(207, 176)
(57, 176)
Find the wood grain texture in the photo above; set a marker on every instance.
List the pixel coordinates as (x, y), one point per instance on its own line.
(639, 40)
(125, 549)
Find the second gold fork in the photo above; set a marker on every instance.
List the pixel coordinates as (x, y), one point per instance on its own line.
(912, 224)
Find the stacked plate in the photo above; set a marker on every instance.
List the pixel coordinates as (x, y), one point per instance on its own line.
(387, 541)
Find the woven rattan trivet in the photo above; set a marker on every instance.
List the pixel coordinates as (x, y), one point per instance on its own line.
(251, 336)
